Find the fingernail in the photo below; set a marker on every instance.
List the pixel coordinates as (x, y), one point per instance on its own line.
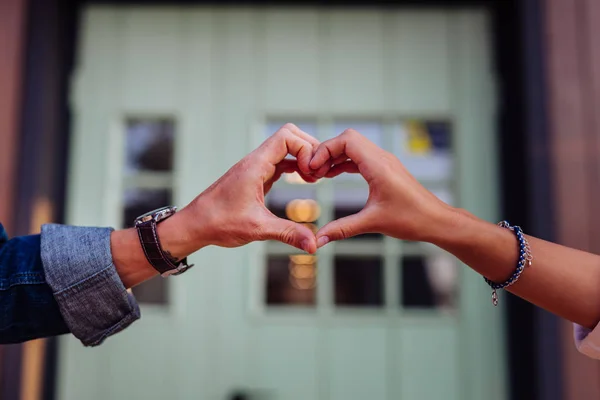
(305, 245)
(322, 241)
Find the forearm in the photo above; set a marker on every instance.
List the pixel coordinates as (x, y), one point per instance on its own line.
(562, 280)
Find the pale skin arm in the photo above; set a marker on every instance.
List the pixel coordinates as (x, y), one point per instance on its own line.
(231, 212)
(562, 280)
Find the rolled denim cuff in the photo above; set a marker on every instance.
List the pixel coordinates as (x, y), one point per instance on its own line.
(79, 268)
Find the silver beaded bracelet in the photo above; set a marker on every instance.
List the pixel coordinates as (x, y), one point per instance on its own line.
(525, 260)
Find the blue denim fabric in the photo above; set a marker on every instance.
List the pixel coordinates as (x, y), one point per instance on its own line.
(62, 281)
(28, 309)
(79, 269)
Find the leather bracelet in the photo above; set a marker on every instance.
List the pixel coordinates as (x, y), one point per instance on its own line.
(156, 256)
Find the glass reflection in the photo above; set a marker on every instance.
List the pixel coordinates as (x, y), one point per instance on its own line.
(284, 200)
(303, 210)
(291, 280)
(149, 145)
(429, 281)
(358, 281)
(372, 130)
(425, 148)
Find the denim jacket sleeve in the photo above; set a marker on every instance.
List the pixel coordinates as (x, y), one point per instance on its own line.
(80, 271)
(61, 281)
(27, 307)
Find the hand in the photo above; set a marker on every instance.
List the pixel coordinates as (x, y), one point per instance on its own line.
(398, 205)
(232, 211)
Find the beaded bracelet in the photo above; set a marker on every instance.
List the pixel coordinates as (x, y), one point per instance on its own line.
(525, 259)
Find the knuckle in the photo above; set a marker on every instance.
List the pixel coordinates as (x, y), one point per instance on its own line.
(387, 158)
(289, 127)
(243, 166)
(286, 131)
(285, 136)
(345, 232)
(287, 235)
(389, 162)
(351, 133)
(282, 132)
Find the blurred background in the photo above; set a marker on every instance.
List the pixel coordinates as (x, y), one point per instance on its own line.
(111, 108)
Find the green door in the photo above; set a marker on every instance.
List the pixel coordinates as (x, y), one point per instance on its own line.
(166, 99)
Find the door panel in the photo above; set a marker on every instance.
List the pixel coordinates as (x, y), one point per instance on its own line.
(354, 61)
(387, 319)
(357, 363)
(420, 69)
(155, 37)
(291, 55)
(285, 369)
(418, 345)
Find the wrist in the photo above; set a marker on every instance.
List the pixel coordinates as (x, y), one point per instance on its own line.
(181, 235)
(449, 225)
(177, 236)
(129, 259)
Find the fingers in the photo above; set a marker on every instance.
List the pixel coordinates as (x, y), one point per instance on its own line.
(286, 167)
(301, 134)
(323, 171)
(289, 232)
(348, 167)
(291, 140)
(350, 144)
(344, 228)
(340, 159)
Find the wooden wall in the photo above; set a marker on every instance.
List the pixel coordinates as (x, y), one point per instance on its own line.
(12, 50)
(12, 46)
(573, 73)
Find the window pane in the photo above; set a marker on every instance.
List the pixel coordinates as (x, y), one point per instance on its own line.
(153, 291)
(137, 202)
(429, 281)
(291, 279)
(425, 148)
(372, 130)
(296, 204)
(149, 145)
(358, 281)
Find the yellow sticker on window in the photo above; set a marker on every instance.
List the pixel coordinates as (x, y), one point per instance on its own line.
(419, 141)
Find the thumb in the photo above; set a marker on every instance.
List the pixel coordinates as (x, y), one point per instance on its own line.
(289, 232)
(343, 228)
